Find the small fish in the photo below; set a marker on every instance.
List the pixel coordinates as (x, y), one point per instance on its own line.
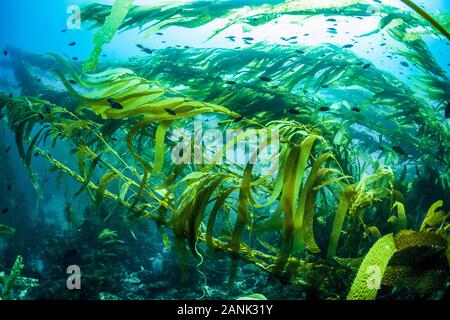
(265, 79)
(9, 187)
(36, 154)
(238, 119)
(159, 33)
(70, 253)
(325, 86)
(231, 82)
(10, 95)
(377, 1)
(360, 18)
(366, 66)
(39, 80)
(399, 150)
(64, 30)
(170, 111)
(72, 44)
(283, 38)
(306, 34)
(405, 64)
(331, 20)
(7, 149)
(356, 109)
(72, 81)
(5, 210)
(300, 51)
(447, 111)
(292, 38)
(293, 111)
(231, 38)
(248, 39)
(104, 55)
(47, 108)
(359, 63)
(347, 46)
(144, 49)
(114, 104)
(382, 44)
(5, 53)
(324, 109)
(75, 58)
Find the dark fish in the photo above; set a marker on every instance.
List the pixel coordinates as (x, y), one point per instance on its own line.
(10, 95)
(377, 1)
(114, 104)
(292, 38)
(248, 39)
(47, 108)
(300, 51)
(5, 210)
(359, 63)
(306, 34)
(324, 109)
(144, 49)
(366, 66)
(331, 29)
(39, 80)
(70, 253)
(104, 55)
(231, 38)
(72, 44)
(399, 150)
(75, 58)
(64, 30)
(360, 18)
(230, 82)
(293, 111)
(240, 118)
(325, 86)
(447, 111)
(36, 154)
(331, 20)
(72, 81)
(347, 46)
(265, 79)
(356, 109)
(405, 64)
(159, 33)
(382, 44)
(275, 87)
(9, 187)
(170, 111)
(7, 149)
(5, 53)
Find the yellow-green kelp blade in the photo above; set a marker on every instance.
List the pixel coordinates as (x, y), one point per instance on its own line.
(370, 273)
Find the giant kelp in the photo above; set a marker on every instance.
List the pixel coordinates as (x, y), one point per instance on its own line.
(329, 183)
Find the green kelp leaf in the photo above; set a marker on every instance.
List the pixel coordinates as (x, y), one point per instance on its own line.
(368, 279)
(112, 23)
(307, 194)
(401, 221)
(88, 177)
(344, 203)
(242, 218)
(254, 296)
(13, 276)
(6, 230)
(159, 146)
(103, 183)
